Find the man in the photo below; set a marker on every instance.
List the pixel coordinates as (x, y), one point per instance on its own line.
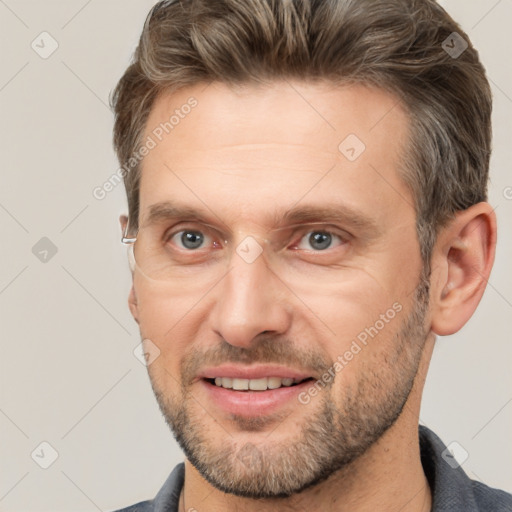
(307, 210)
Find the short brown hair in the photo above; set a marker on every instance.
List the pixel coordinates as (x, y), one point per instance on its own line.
(402, 46)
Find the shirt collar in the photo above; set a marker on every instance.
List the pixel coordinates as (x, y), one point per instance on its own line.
(451, 488)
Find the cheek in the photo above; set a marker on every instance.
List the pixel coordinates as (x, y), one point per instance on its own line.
(160, 307)
(156, 314)
(357, 303)
(360, 322)
(163, 321)
(368, 360)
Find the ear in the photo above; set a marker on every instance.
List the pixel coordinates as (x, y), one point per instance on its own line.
(132, 297)
(123, 220)
(133, 304)
(462, 260)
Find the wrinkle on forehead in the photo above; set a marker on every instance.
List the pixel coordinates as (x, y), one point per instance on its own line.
(239, 158)
(314, 112)
(240, 153)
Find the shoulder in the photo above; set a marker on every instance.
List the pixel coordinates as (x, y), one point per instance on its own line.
(488, 498)
(143, 506)
(452, 489)
(168, 496)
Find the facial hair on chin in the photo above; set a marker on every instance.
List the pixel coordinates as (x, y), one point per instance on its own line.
(330, 438)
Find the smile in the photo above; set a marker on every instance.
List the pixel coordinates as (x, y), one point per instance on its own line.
(261, 384)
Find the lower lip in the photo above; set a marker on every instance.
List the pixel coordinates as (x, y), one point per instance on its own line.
(253, 403)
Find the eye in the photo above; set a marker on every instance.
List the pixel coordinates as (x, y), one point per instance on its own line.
(189, 239)
(319, 240)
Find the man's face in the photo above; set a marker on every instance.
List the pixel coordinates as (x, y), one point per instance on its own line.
(329, 299)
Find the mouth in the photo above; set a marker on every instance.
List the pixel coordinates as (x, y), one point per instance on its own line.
(258, 396)
(259, 385)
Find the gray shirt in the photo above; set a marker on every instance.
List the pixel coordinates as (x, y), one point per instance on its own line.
(452, 490)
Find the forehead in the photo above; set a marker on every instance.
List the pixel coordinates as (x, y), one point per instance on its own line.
(242, 151)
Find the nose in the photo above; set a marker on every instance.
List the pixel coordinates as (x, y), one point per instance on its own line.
(250, 300)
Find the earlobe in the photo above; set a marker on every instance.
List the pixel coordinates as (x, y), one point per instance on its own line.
(463, 259)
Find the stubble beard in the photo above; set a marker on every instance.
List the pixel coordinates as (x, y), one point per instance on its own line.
(331, 437)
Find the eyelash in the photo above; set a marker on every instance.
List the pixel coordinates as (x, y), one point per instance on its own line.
(343, 238)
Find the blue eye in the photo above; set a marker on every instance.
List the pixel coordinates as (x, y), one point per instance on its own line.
(189, 239)
(192, 240)
(319, 240)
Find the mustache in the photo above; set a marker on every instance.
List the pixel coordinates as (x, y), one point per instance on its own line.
(267, 349)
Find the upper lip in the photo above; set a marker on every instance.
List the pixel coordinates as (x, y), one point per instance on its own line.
(251, 372)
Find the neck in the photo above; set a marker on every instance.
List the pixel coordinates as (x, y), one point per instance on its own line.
(388, 477)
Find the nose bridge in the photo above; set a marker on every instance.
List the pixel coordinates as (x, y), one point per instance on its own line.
(248, 301)
(249, 273)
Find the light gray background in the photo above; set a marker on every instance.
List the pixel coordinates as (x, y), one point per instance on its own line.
(68, 373)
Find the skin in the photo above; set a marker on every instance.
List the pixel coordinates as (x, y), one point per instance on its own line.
(238, 156)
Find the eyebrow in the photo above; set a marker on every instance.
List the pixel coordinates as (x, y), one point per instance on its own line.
(305, 214)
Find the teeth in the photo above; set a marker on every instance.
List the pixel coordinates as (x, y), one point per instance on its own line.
(258, 384)
(227, 382)
(273, 382)
(254, 384)
(239, 384)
